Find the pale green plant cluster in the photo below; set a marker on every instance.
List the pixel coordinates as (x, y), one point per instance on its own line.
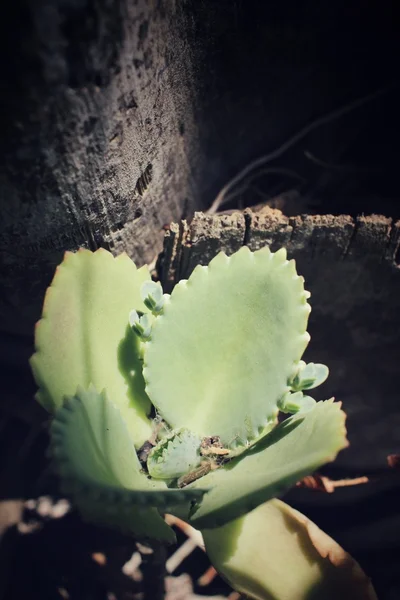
(170, 403)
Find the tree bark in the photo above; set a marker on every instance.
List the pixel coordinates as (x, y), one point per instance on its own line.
(98, 138)
(121, 115)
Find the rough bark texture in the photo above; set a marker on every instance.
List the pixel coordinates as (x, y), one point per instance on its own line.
(121, 115)
(351, 268)
(98, 139)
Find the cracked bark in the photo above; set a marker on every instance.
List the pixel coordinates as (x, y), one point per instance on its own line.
(98, 138)
(122, 115)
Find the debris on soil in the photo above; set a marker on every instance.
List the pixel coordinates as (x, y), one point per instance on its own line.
(394, 461)
(181, 588)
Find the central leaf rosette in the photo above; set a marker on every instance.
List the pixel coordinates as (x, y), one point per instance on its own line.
(216, 361)
(227, 343)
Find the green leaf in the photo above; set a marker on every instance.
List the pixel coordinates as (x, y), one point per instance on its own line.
(309, 376)
(295, 402)
(141, 325)
(229, 340)
(84, 336)
(176, 454)
(291, 451)
(152, 296)
(99, 467)
(275, 552)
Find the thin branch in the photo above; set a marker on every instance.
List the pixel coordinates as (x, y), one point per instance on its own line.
(267, 171)
(263, 160)
(324, 484)
(341, 168)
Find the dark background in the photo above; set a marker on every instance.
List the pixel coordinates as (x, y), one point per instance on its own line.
(270, 68)
(253, 73)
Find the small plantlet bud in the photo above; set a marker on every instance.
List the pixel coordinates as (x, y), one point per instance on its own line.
(152, 296)
(293, 403)
(290, 403)
(307, 404)
(140, 324)
(309, 376)
(176, 454)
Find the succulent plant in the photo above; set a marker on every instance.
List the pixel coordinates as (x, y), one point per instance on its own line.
(276, 552)
(170, 403)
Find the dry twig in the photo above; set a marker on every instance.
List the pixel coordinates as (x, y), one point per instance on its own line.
(224, 193)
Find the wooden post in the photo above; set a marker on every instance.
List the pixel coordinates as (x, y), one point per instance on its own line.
(119, 116)
(98, 138)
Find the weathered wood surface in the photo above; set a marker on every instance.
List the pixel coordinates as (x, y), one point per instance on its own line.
(98, 139)
(351, 268)
(119, 116)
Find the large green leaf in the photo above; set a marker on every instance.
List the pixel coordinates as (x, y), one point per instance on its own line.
(292, 450)
(84, 337)
(99, 467)
(228, 342)
(275, 552)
